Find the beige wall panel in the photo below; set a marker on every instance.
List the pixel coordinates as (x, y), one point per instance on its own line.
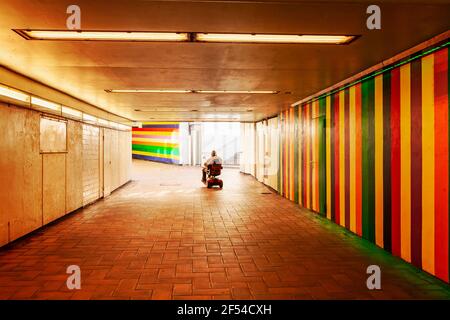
(273, 137)
(101, 155)
(20, 172)
(128, 152)
(125, 156)
(115, 177)
(54, 186)
(91, 172)
(107, 171)
(74, 166)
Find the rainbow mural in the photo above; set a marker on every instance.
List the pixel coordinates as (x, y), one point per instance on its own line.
(374, 158)
(157, 141)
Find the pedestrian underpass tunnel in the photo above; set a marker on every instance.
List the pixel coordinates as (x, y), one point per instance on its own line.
(331, 125)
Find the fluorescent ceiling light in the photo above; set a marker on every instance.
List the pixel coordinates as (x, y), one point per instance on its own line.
(271, 38)
(88, 117)
(45, 104)
(123, 127)
(103, 122)
(147, 91)
(238, 91)
(188, 91)
(114, 125)
(14, 94)
(102, 35)
(71, 112)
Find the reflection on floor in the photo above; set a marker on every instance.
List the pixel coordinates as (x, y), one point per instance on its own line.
(165, 236)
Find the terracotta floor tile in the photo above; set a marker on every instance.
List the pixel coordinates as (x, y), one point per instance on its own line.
(183, 241)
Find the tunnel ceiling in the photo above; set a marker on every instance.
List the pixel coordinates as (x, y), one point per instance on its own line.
(85, 69)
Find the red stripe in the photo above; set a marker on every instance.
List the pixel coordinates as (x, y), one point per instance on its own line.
(395, 161)
(155, 129)
(336, 159)
(441, 163)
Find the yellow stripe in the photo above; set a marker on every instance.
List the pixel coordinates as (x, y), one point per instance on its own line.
(328, 155)
(313, 155)
(166, 141)
(308, 158)
(159, 155)
(428, 163)
(379, 161)
(342, 157)
(156, 133)
(405, 162)
(352, 129)
(161, 122)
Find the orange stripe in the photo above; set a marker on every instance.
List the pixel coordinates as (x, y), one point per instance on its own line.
(405, 160)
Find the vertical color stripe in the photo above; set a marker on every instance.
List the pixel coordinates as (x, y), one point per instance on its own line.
(428, 163)
(379, 161)
(405, 162)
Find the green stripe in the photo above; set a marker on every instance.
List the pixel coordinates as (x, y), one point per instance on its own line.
(368, 159)
(156, 149)
(322, 157)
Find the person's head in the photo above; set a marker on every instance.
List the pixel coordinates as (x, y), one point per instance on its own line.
(213, 153)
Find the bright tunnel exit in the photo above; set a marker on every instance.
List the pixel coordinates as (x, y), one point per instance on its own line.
(187, 143)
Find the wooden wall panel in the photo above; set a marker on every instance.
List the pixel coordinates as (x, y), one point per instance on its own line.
(38, 188)
(20, 172)
(74, 166)
(54, 186)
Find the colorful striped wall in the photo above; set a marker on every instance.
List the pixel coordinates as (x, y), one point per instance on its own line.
(374, 158)
(157, 141)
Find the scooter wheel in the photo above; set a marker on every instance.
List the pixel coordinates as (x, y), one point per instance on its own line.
(221, 185)
(208, 185)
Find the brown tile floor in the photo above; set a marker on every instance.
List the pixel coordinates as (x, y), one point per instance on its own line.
(165, 236)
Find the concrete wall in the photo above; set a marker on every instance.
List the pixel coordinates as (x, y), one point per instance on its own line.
(37, 188)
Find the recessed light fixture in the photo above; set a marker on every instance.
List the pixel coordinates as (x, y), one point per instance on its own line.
(14, 94)
(272, 38)
(190, 91)
(71, 112)
(147, 91)
(45, 104)
(181, 36)
(238, 91)
(102, 35)
(89, 118)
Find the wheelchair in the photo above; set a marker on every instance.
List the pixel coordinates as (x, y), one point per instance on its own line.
(214, 170)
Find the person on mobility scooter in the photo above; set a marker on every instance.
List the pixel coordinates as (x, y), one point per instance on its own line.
(211, 169)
